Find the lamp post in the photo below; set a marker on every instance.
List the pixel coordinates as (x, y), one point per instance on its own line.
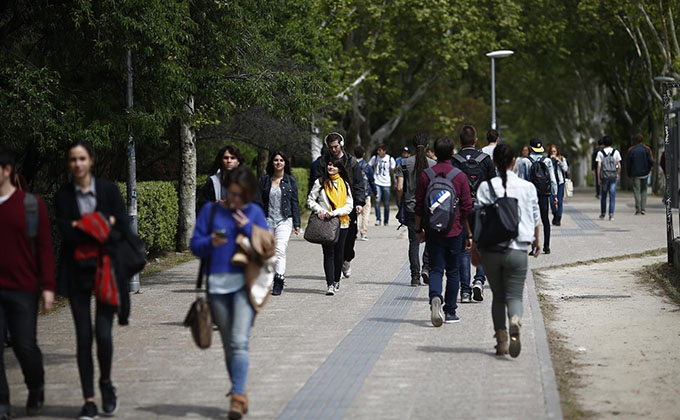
(493, 55)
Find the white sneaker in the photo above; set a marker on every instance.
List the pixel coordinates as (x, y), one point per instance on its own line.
(346, 269)
(336, 286)
(364, 238)
(330, 291)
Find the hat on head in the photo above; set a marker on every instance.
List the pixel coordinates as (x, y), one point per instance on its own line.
(536, 145)
(406, 149)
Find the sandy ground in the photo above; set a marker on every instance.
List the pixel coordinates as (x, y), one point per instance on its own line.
(625, 335)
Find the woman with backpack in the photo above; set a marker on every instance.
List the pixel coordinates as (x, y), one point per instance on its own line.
(90, 215)
(278, 196)
(228, 293)
(561, 168)
(331, 196)
(227, 158)
(505, 264)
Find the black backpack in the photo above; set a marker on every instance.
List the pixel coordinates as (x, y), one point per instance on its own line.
(440, 201)
(539, 175)
(473, 170)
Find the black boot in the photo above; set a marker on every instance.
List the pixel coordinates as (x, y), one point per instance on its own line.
(557, 221)
(278, 285)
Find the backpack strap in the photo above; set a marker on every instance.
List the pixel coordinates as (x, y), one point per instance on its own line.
(452, 174)
(430, 173)
(31, 210)
(459, 158)
(480, 157)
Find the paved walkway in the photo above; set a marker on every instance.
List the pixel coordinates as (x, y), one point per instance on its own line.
(368, 352)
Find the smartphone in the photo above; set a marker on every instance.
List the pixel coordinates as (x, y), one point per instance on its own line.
(221, 233)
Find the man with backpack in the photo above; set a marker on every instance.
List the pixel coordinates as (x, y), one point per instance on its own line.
(442, 206)
(608, 172)
(26, 275)
(538, 169)
(478, 167)
(369, 181)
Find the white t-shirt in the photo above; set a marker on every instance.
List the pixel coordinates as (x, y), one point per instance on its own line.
(608, 150)
(383, 167)
(489, 150)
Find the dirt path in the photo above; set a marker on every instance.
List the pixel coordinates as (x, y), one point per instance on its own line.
(623, 335)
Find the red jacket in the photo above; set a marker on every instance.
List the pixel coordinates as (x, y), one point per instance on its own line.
(460, 183)
(19, 269)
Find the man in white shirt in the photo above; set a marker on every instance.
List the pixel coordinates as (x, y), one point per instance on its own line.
(492, 137)
(608, 172)
(383, 166)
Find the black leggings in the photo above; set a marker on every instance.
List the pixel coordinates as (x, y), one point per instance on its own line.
(333, 257)
(80, 308)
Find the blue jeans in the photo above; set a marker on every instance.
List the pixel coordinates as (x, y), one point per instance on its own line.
(464, 270)
(233, 315)
(557, 210)
(384, 199)
(444, 255)
(608, 188)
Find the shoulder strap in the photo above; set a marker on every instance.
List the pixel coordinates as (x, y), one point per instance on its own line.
(531, 160)
(491, 190)
(480, 157)
(430, 173)
(31, 210)
(452, 174)
(459, 158)
(205, 262)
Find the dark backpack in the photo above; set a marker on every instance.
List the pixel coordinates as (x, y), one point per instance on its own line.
(32, 216)
(609, 170)
(539, 175)
(473, 170)
(440, 200)
(363, 165)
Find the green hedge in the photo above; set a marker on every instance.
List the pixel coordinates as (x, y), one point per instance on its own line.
(157, 214)
(302, 177)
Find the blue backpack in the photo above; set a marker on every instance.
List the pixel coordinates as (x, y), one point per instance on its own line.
(440, 200)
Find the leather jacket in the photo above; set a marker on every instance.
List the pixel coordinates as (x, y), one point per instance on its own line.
(290, 207)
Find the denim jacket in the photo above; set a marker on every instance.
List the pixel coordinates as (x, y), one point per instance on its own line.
(290, 206)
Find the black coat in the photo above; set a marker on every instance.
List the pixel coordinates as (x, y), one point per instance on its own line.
(290, 206)
(109, 203)
(639, 161)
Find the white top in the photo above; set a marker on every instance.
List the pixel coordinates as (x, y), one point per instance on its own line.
(488, 149)
(4, 198)
(608, 150)
(383, 168)
(527, 202)
(317, 200)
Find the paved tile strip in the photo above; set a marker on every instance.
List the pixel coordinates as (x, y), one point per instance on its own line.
(581, 219)
(329, 392)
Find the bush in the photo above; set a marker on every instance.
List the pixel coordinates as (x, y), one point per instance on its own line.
(302, 177)
(157, 214)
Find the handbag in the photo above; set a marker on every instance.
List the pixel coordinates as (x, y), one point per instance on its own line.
(199, 318)
(131, 254)
(497, 222)
(322, 231)
(568, 187)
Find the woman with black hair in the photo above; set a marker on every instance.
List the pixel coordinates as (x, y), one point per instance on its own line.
(331, 196)
(228, 158)
(506, 263)
(278, 196)
(91, 216)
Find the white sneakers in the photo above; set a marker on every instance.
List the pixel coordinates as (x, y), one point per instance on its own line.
(346, 269)
(330, 291)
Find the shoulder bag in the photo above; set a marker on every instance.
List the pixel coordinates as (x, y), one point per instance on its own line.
(322, 231)
(497, 222)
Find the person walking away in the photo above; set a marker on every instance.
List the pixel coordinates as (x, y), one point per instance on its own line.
(331, 196)
(228, 293)
(493, 138)
(278, 196)
(639, 162)
(596, 179)
(506, 263)
(90, 216)
(405, 153)
(478, 167)
(561, 168)
(26, 275)
(408, 172)
(336, 143)
(608, 172)
(538, 169)
(371, 189)
(383, 165)
(227, 158)
(523, 153)
(442, 206)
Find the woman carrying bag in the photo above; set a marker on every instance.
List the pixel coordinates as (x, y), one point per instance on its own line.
(506, 263)
(561, 169)
(331, 196)
(278, 196)
(91, 216)
(228, 295)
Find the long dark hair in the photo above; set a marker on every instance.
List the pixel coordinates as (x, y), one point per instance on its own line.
(342, 171)
(502, 158)
(270, 164)
(420, 143)
(217, 163)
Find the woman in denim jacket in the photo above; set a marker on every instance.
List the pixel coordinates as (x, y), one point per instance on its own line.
(278, 196)
(561, 168)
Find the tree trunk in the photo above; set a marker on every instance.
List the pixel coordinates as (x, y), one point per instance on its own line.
(315, 141)
(187, 179)
(262, 159)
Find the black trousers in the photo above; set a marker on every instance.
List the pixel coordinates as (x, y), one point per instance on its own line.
(414, 248)
(19, 313)
(544, 206)
(80, 299)
(333, 256)
(351, 236)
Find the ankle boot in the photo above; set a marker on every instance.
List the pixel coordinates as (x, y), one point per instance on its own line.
(501, 342)
(238, 406)
(278, 285)
(515, 345)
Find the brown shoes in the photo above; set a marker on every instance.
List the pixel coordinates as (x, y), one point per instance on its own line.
(501, 342)
(515, 345)
(238, 406)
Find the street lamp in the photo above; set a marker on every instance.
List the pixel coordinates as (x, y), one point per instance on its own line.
(494, 55)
